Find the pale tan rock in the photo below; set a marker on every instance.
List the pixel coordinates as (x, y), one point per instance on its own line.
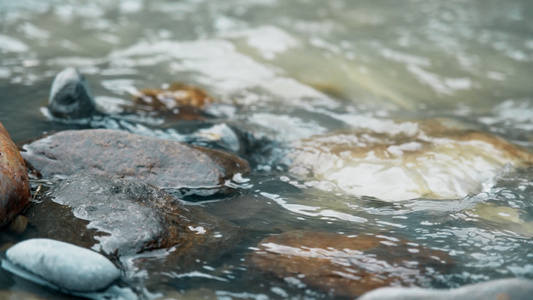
(395, 161)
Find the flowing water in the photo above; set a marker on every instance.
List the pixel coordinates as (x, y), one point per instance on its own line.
(288, 70)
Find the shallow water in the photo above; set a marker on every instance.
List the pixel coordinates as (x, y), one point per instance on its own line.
(287, 70)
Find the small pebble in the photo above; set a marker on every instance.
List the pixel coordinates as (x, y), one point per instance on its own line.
(19, 224)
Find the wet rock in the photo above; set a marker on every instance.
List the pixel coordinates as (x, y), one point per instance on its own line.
(123, 217)
(406, 160)
(177, 101)
(503, 289)
(343, 265)
(14, 184)
(178, 112)
(165, 163)
(70, 96)
(64, 265)
(500, 218)
(19, 224)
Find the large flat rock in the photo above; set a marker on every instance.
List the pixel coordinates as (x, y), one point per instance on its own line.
(394, 161)
(14, 184)
(165, 163)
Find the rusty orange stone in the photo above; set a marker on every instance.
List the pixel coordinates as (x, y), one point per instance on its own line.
(348, 265)
(14, 183)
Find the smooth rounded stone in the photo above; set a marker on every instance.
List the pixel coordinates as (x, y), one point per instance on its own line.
(165, 163)
(64, 265)
(394, 161)
(125, 217)
(70, 96)
(503, 289)
(348, 265)
(14, 183)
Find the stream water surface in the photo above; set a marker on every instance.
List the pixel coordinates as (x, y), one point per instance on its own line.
(289, 70)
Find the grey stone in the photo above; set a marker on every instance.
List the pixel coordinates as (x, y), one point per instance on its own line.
(64, 265)
(124, 217)
(70, 96)
(508, 289)
(167, 164)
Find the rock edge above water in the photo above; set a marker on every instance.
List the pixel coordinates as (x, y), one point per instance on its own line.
(164, 163)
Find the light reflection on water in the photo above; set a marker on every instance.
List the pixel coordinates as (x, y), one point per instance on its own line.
(288, 70)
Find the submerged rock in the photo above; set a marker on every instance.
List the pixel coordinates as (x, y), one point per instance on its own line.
(343, 265)
(503, 289)
(63, 265)
(504, 218)
(167, 164)
(123, 217)
(14, 183)
(407, 160)
(177, 101)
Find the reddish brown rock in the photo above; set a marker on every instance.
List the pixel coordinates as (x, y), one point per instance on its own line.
(343, 265)
(164, 163)
(178, 100)
(14, 184)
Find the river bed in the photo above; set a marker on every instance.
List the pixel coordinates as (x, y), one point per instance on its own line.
(286, 71)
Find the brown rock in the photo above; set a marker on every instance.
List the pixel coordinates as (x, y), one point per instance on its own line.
(14, 184)
(165, 163)
(183, 101)
(343, 265)
(19, 224)
(394, 161)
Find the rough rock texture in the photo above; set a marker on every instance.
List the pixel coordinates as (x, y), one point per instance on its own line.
(165, 163)
(503, 289)
(64, 265)
(119, 216)
(14, 184)
(395, 161)
(343, 265)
